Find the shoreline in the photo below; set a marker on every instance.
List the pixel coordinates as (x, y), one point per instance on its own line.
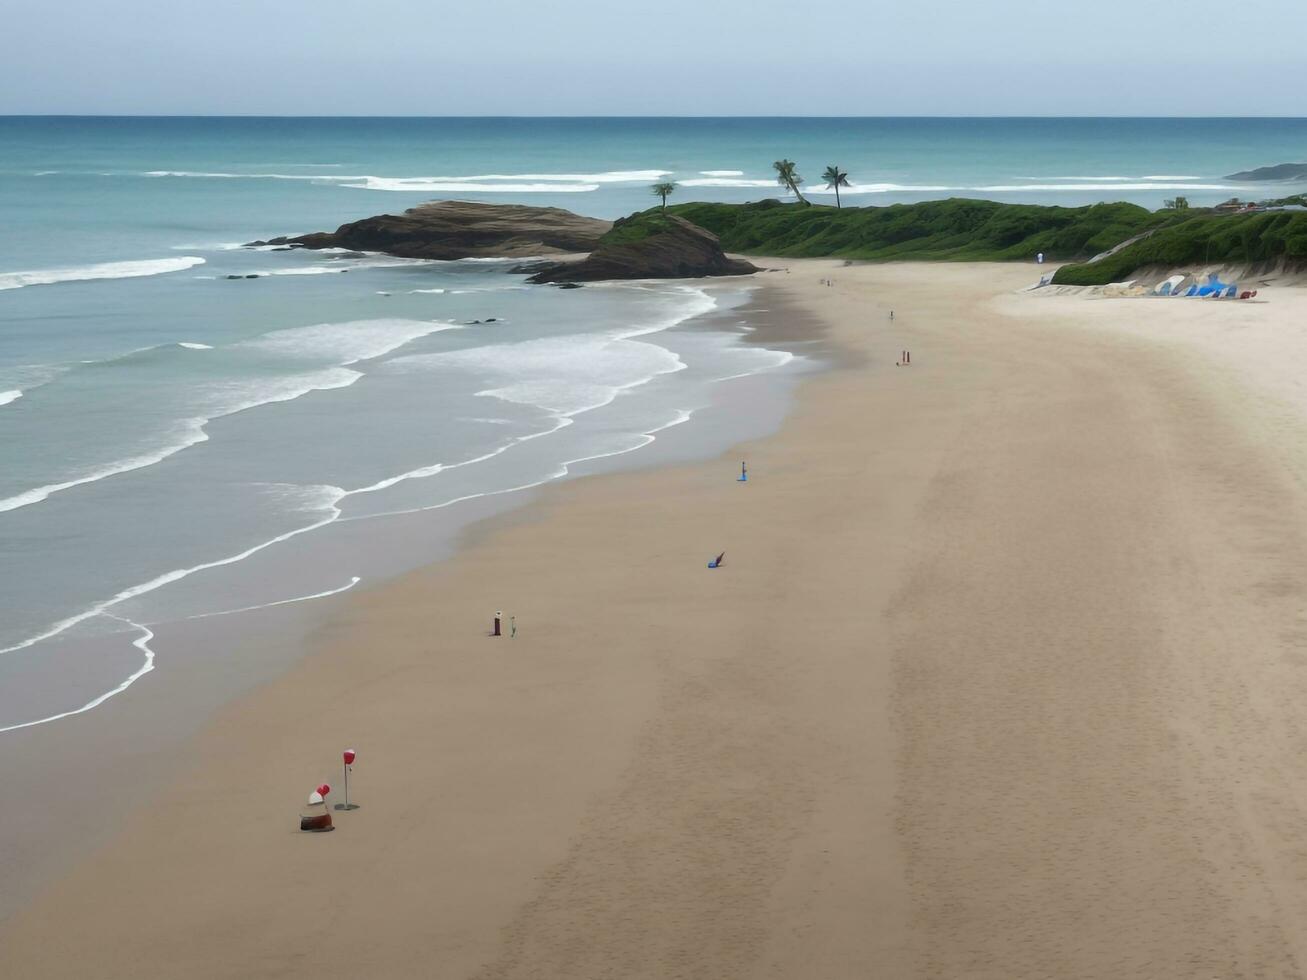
(143, 734)
(950, 706)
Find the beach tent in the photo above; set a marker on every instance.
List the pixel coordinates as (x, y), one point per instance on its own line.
(1167, 286)
(1231, 292)
(1192, 290)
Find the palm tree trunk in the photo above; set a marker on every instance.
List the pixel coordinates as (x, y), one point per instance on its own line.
(838, 205)
(798, 194)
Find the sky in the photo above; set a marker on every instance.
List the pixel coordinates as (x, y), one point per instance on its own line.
(672, 57)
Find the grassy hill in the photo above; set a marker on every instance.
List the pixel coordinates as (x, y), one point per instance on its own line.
(955, 229)
(1199, 239)
(965, 230)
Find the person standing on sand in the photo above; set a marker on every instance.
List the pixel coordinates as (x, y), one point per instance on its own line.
(512, 627)
(891, 316)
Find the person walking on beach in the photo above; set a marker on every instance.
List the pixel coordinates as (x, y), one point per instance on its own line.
(512, 627)
(891, 316)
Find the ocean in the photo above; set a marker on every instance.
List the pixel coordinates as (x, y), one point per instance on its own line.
(178, 444)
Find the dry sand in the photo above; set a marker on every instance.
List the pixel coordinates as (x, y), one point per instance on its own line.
(1002, 678)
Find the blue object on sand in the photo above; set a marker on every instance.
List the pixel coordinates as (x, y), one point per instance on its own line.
(744, 474)
(716, 562)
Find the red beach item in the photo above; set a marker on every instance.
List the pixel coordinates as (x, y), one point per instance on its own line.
(348, 755)
(324, 789)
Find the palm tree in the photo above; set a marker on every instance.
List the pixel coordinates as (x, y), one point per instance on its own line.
(836, 178)
(662, 190)
(787, 176)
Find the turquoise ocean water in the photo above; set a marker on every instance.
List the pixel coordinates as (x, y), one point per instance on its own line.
(163, 427)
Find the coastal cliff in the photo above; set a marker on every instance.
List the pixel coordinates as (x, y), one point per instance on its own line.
(648, 246)
(461, 230)
(1279, 172)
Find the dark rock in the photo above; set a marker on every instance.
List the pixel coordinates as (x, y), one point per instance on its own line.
(461, 229)
(569, 285)
(649, 247)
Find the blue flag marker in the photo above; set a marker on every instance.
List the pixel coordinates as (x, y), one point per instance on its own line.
(744, 474)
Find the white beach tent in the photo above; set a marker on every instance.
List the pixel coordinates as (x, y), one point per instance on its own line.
(1168, 286)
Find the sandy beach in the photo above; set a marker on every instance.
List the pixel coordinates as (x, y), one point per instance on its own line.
(1001, 678)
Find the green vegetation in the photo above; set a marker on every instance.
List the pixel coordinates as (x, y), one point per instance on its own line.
(975, 231)
(662, 190)
(1200, 238)
(954, 229)
(637, 227)
(836, 178)
(788, 176)
(1176, 204)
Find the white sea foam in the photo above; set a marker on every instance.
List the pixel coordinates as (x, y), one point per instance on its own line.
(101, 270)
(219, 175)
(341, 343)
(1137, 186)
(633, 359)
(191, 346)
(877, 189)
(10, 396)
(176, 575)
(728, 182)
(565, 375)
(348, 342)
(722, 173)
(563, 469)
(774, 360)
(426, 290)
(354, 580)
(307, 270)
(1118, 179)
(477, 183)
(142, 643)
(335, 265)
(223, 399)
(429, 185)
(600, 177)
(185, 433)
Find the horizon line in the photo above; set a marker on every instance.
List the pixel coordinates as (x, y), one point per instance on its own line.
(942, 116)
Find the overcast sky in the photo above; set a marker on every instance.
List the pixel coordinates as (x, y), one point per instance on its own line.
(677, 57)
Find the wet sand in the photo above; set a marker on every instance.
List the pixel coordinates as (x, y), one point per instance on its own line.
(1001, 678)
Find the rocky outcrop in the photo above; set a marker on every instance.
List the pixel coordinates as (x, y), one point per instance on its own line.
(1281, 171)
(461, 230)
(648, 246)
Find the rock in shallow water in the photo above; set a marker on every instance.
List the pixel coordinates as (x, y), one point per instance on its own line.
(460, 230)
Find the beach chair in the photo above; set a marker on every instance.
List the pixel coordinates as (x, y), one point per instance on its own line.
(717, 562)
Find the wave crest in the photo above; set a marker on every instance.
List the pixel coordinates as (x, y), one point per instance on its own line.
(100, 270)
